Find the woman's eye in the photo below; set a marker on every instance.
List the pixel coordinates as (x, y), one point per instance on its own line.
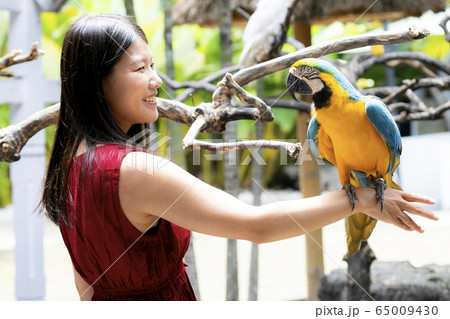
(142, 68)
(152, 65)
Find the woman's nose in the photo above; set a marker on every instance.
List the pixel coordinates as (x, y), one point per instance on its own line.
(154, 81)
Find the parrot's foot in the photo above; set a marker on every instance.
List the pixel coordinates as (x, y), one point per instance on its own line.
(380, 186)
(350, 189)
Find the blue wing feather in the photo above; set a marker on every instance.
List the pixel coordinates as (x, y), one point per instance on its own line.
(378, 113)
(362, 178)
(313, 129)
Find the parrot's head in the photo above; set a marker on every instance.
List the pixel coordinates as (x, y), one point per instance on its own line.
(304, 78)
(321, 79)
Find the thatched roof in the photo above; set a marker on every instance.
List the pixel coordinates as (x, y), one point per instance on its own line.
(51, 5)
(330, 10)
(204, 12)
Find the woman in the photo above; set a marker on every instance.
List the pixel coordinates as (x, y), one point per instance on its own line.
(124, 217)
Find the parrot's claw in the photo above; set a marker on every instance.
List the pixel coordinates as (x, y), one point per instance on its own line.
(350, 189)
(380, 186)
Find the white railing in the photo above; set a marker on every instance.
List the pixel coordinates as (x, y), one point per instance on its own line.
(26, 93)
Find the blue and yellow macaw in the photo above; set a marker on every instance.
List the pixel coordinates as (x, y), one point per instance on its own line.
(354, 132)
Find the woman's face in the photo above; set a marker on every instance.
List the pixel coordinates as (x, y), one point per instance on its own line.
(131, 88)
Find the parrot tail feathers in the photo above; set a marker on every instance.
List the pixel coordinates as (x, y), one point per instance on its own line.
(358, 227)
(390, 182)
(396, 186)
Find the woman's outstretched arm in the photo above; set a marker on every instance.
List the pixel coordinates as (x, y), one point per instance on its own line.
(151, 187)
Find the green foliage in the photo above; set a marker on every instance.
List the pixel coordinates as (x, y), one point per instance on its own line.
(286, 120)
(4, 27)
(433, 45)
(54, 27)
(5, 183)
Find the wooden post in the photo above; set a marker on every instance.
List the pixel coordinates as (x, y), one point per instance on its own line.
(129, 8)
(309, 186)
(27, 174)
(231, 184)
(176, 133)
(175, 129)
(359, 281)
(26, 93)
(257, 172)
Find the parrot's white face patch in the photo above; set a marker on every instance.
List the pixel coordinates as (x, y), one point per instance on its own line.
(310, 82)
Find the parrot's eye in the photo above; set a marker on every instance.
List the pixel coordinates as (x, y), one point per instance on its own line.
(307, 70)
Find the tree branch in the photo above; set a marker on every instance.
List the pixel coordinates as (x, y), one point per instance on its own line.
(293, 149)
(394, 92)
(210, 78)
(197, 85)
(442, 83)
(389, 57)
(13, 58)
(430, 114)
(252, 73)
(14, 137)
(443, 25)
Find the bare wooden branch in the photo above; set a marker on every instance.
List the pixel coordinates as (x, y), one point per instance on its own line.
(415, 99)
(430, 114)
(293, 149)
(14, 137)
(222, 106)
(242, 12)
(252, 73)
(176, 111)
(197, 85)
(301, 106)
(400, 107)
(195, 129)
(443, 25)
(413, 56)
(442, 83)
(233, 88)
(6, 74)
(415, 64)
(13, 58)
(210, 78)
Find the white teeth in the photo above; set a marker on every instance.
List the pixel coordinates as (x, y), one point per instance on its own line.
(150, 99)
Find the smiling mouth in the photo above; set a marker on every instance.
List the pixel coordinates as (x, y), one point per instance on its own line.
(150, 99)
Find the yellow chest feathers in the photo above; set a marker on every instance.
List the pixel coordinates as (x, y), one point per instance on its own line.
(341, 110)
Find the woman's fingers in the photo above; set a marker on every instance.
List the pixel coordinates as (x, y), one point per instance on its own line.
(414, 197)
(397, 202)
(401, 224)
(409, 223)
(420, 211)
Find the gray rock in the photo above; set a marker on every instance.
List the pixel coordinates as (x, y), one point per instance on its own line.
(398, 281)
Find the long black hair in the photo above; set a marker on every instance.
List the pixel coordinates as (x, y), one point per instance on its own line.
(91, 48)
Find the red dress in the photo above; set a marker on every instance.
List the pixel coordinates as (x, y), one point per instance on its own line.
(108, 251)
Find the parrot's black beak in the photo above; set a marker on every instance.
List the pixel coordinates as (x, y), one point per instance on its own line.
(292, 85)
(297, 85)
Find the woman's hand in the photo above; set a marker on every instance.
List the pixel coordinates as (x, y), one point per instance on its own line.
(395, 204)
